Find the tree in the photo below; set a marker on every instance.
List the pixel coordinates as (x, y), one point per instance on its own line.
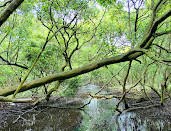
(141, 36)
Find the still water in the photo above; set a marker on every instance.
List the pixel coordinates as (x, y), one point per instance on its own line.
(99, 115)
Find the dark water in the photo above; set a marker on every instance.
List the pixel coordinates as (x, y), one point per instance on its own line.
(97, 116)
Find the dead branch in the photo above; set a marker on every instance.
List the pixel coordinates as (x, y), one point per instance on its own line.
(20, 116)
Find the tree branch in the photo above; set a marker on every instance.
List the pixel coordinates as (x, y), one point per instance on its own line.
(37, 58)
(14, 64)
(148, 53)
(162, 33)
(73, 73)
(161, 19)
(5, 3)
(23, 100)
(134, 85)
(162, 48)
(9, 10)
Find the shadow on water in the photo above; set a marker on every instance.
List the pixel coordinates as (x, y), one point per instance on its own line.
(98, 115)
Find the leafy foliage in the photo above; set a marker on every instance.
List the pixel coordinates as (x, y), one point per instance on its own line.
(72, 86)
(81, 32)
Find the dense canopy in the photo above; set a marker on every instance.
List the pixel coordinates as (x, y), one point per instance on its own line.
(53, 46)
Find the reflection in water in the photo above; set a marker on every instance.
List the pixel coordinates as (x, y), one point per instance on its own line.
(102, 116)
(47, 120)
(98, 115)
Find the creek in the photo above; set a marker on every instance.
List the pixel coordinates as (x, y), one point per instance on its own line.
(99, 115)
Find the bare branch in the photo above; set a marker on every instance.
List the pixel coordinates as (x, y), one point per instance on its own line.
(162, 48)
(14, 64)
(103, 96)
(134, 85)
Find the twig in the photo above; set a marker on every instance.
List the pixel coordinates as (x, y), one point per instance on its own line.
(168, 51)
(86, 104)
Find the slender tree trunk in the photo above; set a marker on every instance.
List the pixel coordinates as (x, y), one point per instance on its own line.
(124, 85)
